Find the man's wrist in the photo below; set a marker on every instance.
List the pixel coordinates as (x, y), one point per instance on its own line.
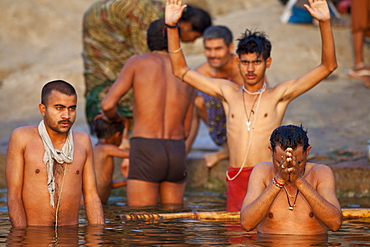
(171, 26)
(277, 184)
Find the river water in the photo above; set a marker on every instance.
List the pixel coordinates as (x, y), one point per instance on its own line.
(175, 232)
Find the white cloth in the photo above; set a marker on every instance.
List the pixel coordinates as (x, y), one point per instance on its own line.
(61, 156)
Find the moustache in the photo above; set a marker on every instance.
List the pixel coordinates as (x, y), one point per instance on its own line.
(64, 121)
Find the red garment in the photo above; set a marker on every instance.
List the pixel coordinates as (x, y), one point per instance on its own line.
(237, 188)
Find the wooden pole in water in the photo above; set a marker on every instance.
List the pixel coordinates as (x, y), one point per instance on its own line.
(224, 215)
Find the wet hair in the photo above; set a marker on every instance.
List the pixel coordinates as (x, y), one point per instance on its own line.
(254, 42)
(199, 18)
(289, 136)
(103, 129)
(157, 36)
(218, 32)
(57, 85)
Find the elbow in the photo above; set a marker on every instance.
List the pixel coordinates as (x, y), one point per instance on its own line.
(176, 72)
(333, 66)
(246, 224)
(106, 105)
(335, 225)
(247, 227)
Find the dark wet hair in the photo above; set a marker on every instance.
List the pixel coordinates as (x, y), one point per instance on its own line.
(289, 136)
(157, 36)
(57, 85)
(218, 32)
(103, 129)
(254, 42)
(199, 18)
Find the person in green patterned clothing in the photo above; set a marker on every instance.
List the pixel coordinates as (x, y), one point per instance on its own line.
(113, 31)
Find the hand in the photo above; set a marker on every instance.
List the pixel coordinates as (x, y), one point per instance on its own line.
(289, 171)
(318, 9)
(173, 11)
(101, 115)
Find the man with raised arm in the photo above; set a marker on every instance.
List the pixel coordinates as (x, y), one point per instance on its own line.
(49, 166)
(289, 195)
(253, 110)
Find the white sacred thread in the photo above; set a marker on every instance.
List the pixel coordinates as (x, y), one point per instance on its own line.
(251, 135)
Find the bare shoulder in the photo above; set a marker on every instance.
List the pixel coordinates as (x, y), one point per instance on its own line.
(81, 137)
(318, 169)
(204, 69)
(24, 132)
(263, 168)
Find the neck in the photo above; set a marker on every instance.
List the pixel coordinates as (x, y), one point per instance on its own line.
(161, 52)
(255, 90)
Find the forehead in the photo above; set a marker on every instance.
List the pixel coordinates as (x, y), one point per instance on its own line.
(60, 98)
(250, 57)
(214, 43)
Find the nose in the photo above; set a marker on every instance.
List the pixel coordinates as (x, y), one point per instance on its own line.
(250, 67)
(66, 114)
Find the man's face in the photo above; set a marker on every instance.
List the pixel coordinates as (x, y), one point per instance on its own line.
(59, 112)
(299, 158)
(253, 68)
(217, 52)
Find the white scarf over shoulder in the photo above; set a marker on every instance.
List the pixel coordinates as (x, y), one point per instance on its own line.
(61, 156)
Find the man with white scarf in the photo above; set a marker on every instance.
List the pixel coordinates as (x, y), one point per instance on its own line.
(50, 167)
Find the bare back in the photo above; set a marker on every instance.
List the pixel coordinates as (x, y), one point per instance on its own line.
(163, 103)
(25, 162)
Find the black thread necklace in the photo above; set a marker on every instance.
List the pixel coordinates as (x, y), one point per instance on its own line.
(291, 207)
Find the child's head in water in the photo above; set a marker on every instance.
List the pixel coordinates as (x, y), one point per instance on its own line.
(109, 131)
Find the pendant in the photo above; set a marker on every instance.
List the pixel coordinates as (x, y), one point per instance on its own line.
(248, 123)
(291, 208)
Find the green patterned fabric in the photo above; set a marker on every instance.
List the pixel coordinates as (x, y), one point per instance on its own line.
(113, 31)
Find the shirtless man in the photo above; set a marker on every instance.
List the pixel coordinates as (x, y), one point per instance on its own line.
(109, 139)
(221, 63)
(289, 195)
(50, 167)
(254, 110)
(162, 115)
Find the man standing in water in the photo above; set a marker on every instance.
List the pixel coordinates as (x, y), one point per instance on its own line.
(254, 110)
(289, 195)
(50, 167)
(162, 116)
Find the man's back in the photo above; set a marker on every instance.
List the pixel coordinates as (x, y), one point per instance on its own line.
(162, 102)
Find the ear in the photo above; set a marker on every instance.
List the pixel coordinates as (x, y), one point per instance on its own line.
(308, 150)
(268, 62)
(272, 151)
(42, 109)
(231, 47)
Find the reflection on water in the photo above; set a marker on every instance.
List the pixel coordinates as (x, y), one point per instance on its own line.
(171, 232)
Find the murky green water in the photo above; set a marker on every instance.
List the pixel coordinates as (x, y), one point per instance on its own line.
(174, 232)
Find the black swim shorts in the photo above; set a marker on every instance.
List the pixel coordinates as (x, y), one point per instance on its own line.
(157, 160)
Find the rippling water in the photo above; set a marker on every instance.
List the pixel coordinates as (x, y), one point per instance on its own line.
(173, 232)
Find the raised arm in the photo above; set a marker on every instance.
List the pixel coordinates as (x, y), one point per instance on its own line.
(93, 206)
(14, 179)
(320, 11)
(118, 89)
(174, 10)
